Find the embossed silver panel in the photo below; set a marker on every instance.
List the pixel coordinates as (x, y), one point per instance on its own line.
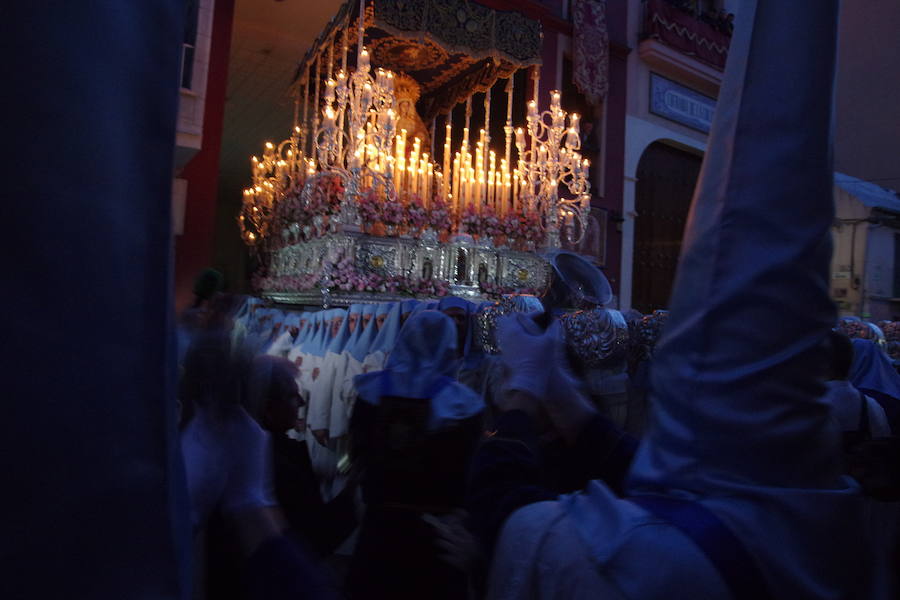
(463, 263)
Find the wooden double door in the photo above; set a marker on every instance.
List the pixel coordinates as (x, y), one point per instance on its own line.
(666, 177)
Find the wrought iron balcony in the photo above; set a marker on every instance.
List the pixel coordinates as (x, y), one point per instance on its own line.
(674, 23)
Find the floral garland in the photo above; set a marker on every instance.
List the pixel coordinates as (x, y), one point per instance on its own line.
(490, 222)
(393, 213)
(531, 229)
(369, 207)
(495, 291)
(439, 216)
(470, 222)
(344, 276)
(416, 215)
(326, 196)
(407, 212)
(324, 201)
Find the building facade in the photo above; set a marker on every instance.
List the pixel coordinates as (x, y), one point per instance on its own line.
(665, 64)
(674, 73)
(865, 266)
(203, 77)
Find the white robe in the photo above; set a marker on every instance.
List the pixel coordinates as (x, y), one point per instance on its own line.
(281, 346)
(845, 405)
(344, 396)
(318, 416)
(541, 555)
(293, 355)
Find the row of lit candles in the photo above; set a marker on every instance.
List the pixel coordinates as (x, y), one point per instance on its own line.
(476, 180)
(470, 178)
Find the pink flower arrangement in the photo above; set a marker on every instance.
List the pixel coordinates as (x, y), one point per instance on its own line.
(439, 216)
(531, 229)
(369, 207)
(495, 292)
(471, 221)
(416, 215)
(343, 276)
(325, 199)
(393, 213)
(490, 222)
(512, 225)
(327, 194)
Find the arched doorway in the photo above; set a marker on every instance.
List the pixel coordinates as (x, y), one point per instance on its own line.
(665, 184)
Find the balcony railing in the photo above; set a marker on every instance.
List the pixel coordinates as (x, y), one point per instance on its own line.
(680, 28)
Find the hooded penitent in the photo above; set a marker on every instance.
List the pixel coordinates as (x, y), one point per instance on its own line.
(243, 320)
(407, 306)
(737, 376)
(385, 340)
(267, 319)
(739, 426)
(349, 365)
(299, 355)
(471, 355)
(318, 414)
(422, 365)
(284, 339)
(575, 281)
(319, 410)
(873, 373)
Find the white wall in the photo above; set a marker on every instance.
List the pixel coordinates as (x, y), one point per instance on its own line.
(879, 272)
(192, 101)
(848, 252)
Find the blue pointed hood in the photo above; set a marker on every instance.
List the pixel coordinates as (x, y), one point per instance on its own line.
(383, 309)
(390, 330)
(320, 340)
(362, 339)
(738, 372)
(291, 320)
(456, 302)
(407, 306)
(305, 329)
(422, 365)
(872, 369)
(339, 341)
(743, 345)
(361, 313)
(312, 329)
(245, 312)
(471, 351)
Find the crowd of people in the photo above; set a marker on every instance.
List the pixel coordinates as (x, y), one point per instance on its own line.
(765, 465)
(393, 464)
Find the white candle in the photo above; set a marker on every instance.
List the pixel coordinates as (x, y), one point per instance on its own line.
(423, 172)
(447, 140)
(554, 101)
(455, 182)
(478, 173)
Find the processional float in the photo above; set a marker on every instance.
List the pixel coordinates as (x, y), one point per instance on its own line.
(365, 202)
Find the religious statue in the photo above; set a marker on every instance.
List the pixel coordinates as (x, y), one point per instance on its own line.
(407, 92)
